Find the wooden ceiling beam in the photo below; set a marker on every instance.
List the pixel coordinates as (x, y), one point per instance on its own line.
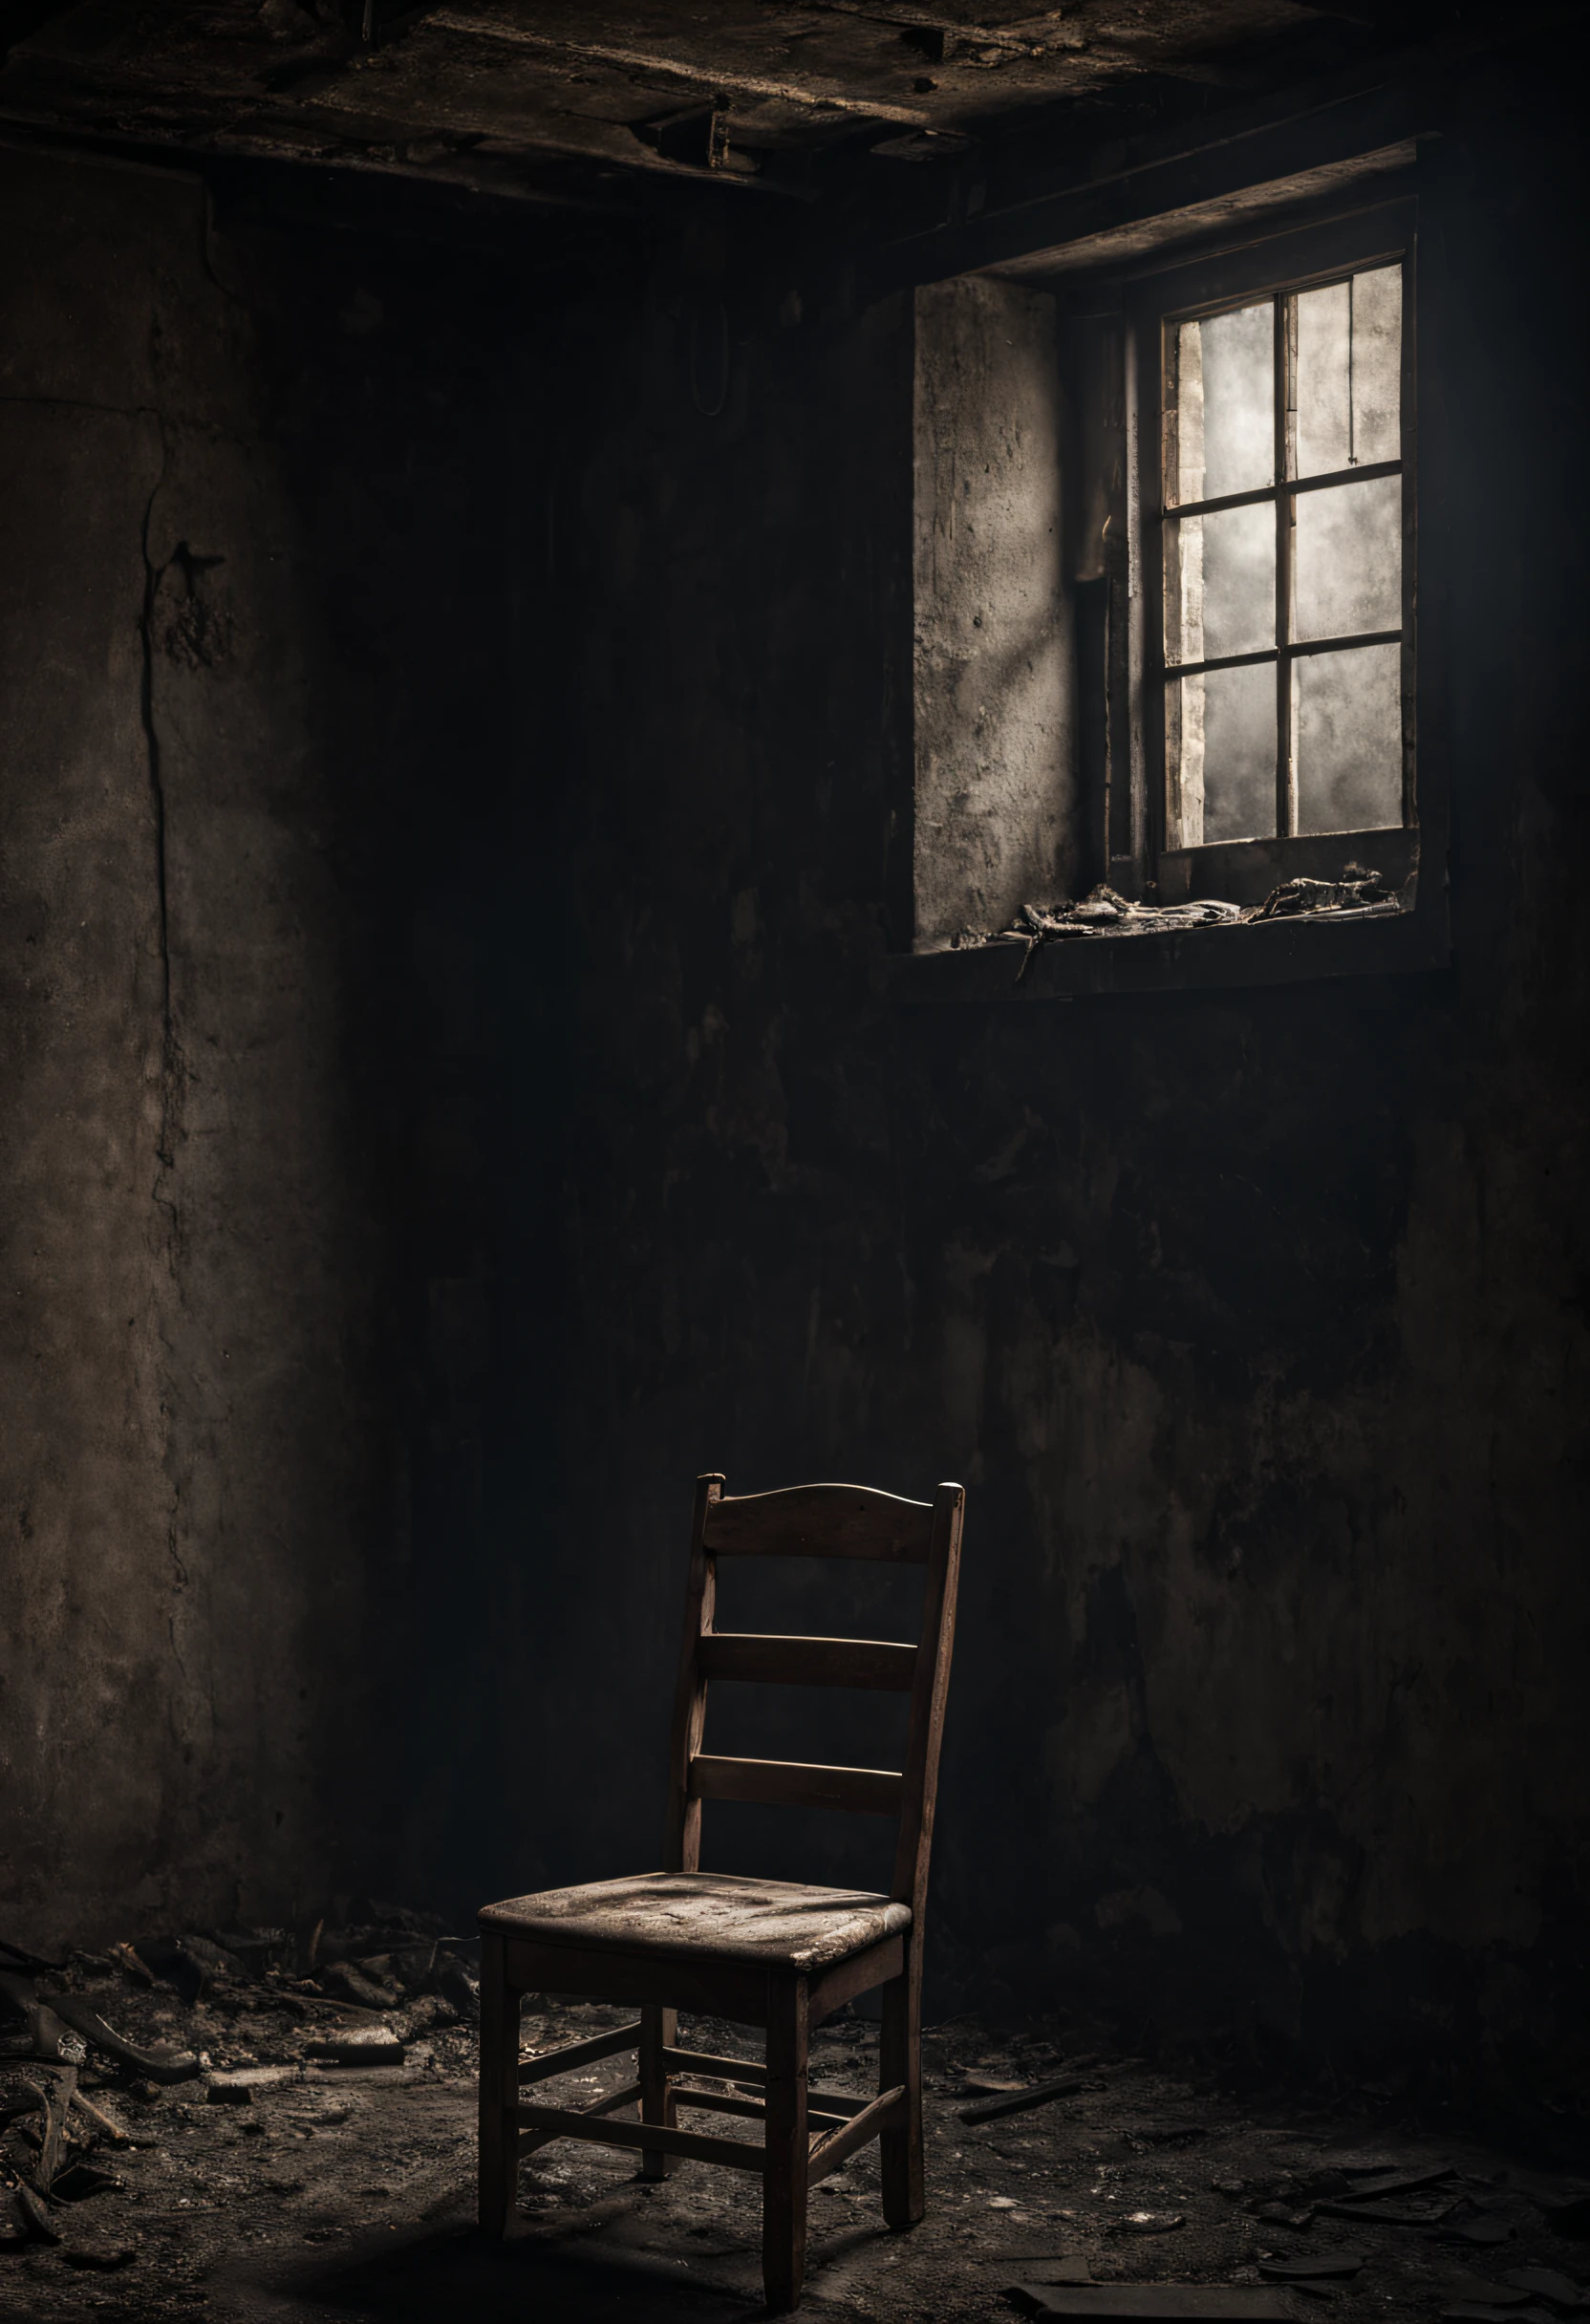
(706, 77)
(1035, 37)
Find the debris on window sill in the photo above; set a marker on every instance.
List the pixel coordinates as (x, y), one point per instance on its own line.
(1355, 891)
(1104, 913)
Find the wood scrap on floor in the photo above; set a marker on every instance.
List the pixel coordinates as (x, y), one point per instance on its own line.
(1316, 2266)
(1547, 2284)
(49, 2011)
(1046, 2267)
(1485, 2312)
(54, 2105)
(1019, 2100)
(1154, 2303)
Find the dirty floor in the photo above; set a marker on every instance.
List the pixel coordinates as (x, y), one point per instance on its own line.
(344, 2193)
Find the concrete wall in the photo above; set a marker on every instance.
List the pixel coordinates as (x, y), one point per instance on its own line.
(1253, 1322)
(242, 654)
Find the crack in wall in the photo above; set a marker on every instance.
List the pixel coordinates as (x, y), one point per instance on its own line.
(77, 404)
(164, 1142)
(153, 575)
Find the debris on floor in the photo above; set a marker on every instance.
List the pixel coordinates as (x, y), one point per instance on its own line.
(105, 2056)
(1015, 2098)
(1155, 2303)
(1546, 2284)
(1315, 2266)
(316, 2159)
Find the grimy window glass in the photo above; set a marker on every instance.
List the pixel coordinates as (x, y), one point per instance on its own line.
(1283, 528)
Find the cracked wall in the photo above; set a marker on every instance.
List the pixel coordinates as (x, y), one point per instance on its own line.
(229, 488)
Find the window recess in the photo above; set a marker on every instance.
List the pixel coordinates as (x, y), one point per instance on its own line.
(1224, 742)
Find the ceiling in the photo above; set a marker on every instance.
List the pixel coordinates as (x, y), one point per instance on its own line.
(580, 102)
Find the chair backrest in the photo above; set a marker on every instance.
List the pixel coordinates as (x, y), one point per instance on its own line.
(818, 1521)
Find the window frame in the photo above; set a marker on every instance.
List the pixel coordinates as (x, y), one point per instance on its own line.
(1177, 291)
(1110, 308)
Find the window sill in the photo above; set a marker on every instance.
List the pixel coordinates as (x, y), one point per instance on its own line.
(1381, 940)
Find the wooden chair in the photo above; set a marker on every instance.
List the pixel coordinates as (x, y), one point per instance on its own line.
(758, 1953)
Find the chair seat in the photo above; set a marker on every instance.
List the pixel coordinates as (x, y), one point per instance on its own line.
(772, 1924)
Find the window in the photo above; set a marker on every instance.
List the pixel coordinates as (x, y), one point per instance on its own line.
(1276, 545)
(1164, 639)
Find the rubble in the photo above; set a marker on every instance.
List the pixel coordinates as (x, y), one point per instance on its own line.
(1106, 912)
(85, 2042)
(1154, 2303)
(321, 2145)
(1355, 891)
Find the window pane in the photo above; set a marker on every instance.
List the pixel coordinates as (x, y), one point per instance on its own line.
(1378, 364)
(1223, 601)
(1348, 739)
(1221, 735)
(1349, 372)
(1325, 397)
(1348, 562)
(1225, 404)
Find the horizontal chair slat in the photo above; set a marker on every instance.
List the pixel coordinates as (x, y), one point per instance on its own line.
(865, 1791)
(701, 2061)
(820, 1521)
(820, 2108)
(721, 2101)
(578, 2053)
(839, 2104)
(557, 2122)
(885, 2111)
(878, 1662)
(608, 2104)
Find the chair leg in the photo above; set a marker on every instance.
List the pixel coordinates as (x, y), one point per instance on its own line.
(499, 2132)
(900, 2060)
(659, 2027)
(784, 2186)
